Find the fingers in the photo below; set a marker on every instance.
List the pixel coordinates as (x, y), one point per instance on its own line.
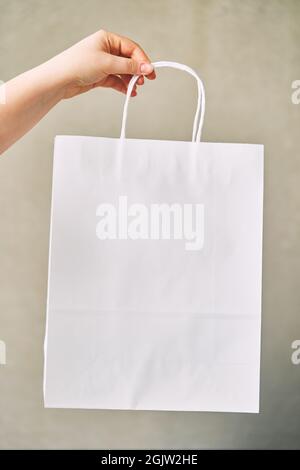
(118, 83)
(120, 65)
(128, 77)
(135, 60)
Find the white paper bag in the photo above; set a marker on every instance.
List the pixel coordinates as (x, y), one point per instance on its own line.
(154, 296)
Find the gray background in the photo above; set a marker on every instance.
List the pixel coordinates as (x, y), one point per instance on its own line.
(248, 54)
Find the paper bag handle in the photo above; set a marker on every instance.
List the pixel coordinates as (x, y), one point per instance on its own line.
(197, 128)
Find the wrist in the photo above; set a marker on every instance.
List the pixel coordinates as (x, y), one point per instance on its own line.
(54, 77)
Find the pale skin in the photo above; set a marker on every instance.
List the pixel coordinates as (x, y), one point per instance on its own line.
(103, 59)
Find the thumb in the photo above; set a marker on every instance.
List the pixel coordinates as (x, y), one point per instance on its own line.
(122, 65)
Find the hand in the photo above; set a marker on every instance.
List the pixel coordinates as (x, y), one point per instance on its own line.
(103, 59)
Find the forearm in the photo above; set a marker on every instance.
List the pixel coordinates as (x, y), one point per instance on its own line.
(28, 97)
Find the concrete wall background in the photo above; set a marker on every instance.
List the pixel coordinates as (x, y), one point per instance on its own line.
(248, 55)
